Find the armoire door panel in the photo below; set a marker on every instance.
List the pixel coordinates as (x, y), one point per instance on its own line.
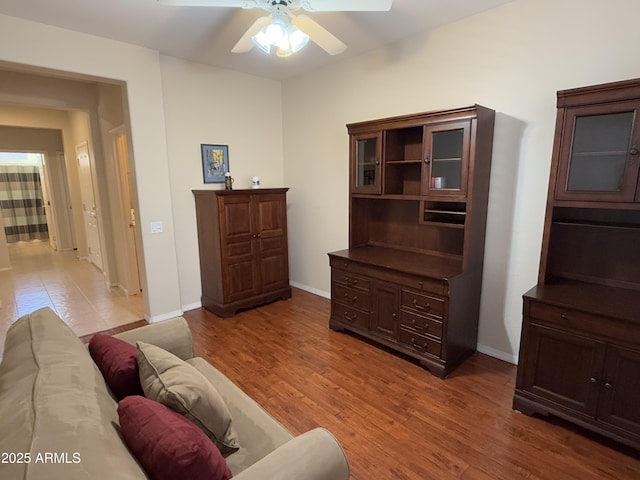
(270, 217)
(237, 218)
(271, 268)
(241, 279)
(239, 249)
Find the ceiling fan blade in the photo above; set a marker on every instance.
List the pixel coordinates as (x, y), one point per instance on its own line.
(346, 5)
(319, 35)
(210, 3)
(245, 43)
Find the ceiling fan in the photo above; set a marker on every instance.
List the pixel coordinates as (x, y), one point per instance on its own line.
(287, 32)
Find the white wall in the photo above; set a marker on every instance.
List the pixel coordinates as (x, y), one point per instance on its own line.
(512, 59)
(40, 45)
(215, 106)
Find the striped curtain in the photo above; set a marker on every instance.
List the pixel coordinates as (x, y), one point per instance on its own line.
(22, 204)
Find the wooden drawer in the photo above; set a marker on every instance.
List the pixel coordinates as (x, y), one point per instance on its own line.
(350, 316)
(424, 284)
(424, 304)
(349, 279)
(351, 296)
(420, 343)
(421, 324)
(583, 322)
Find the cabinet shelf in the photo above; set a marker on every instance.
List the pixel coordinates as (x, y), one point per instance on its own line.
(453, 159)
(598, 154)
(446, 212)
(444, 224)
(403, 162)
(616, 226)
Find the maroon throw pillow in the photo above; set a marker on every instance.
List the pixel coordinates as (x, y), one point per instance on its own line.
(117, 362)
(167, 445)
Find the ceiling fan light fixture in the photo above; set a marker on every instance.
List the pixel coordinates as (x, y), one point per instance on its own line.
(282, 34)
(261, 41)
(297, 39)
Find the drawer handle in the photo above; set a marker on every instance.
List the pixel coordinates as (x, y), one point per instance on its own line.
(351, 281)
(349, 317)
(415, 345)
(563, 316)
(419, 326)
(350, 299)
(593, 380)
(608, 386)
(417, 306)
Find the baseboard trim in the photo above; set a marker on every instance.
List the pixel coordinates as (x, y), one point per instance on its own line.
(191, 306)
(164, 316)
(307, 288)
(500, 355)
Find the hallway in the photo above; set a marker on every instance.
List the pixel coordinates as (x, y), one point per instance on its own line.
(74, 289)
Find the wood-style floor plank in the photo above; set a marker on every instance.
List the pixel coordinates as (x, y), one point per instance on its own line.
(394, 419)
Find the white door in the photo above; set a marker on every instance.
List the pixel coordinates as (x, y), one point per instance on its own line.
(121, 152)
(89, 209)
(46, 199)
(60, 183)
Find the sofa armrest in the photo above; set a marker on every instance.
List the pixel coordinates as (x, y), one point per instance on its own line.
(314, 455)
(172, 335)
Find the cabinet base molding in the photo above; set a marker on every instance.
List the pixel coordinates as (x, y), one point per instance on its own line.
(226, 310)
(433, 364)
(527, 405)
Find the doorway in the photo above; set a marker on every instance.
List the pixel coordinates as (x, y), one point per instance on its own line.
(88, 110)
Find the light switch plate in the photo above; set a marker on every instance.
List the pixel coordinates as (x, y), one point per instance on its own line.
(156, 227)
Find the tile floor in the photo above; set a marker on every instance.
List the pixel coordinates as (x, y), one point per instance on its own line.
(76, 290)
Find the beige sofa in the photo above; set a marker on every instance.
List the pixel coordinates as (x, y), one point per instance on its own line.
(59, 421)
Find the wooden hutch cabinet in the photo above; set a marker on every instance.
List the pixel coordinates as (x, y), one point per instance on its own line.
(411, 277)
(580, 346)
(242, 237)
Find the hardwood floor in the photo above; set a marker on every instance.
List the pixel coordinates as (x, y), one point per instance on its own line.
(394, 419)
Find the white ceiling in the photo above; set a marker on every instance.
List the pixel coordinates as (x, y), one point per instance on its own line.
(207, 35)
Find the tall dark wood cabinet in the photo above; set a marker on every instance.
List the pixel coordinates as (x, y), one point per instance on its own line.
(242, 237)
(580, 346)
(411, 277)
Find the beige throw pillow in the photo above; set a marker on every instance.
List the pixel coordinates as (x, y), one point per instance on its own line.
(169, 380)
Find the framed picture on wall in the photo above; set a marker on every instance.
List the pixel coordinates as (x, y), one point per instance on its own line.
(215, 162)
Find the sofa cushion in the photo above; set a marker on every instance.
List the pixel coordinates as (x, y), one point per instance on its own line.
(53, 400)
(176, 384)
(258, 432)
(184, 453)
(117, 362)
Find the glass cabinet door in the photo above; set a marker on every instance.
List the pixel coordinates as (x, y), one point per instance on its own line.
(599, 154)
(365, 174)
(446, 159)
